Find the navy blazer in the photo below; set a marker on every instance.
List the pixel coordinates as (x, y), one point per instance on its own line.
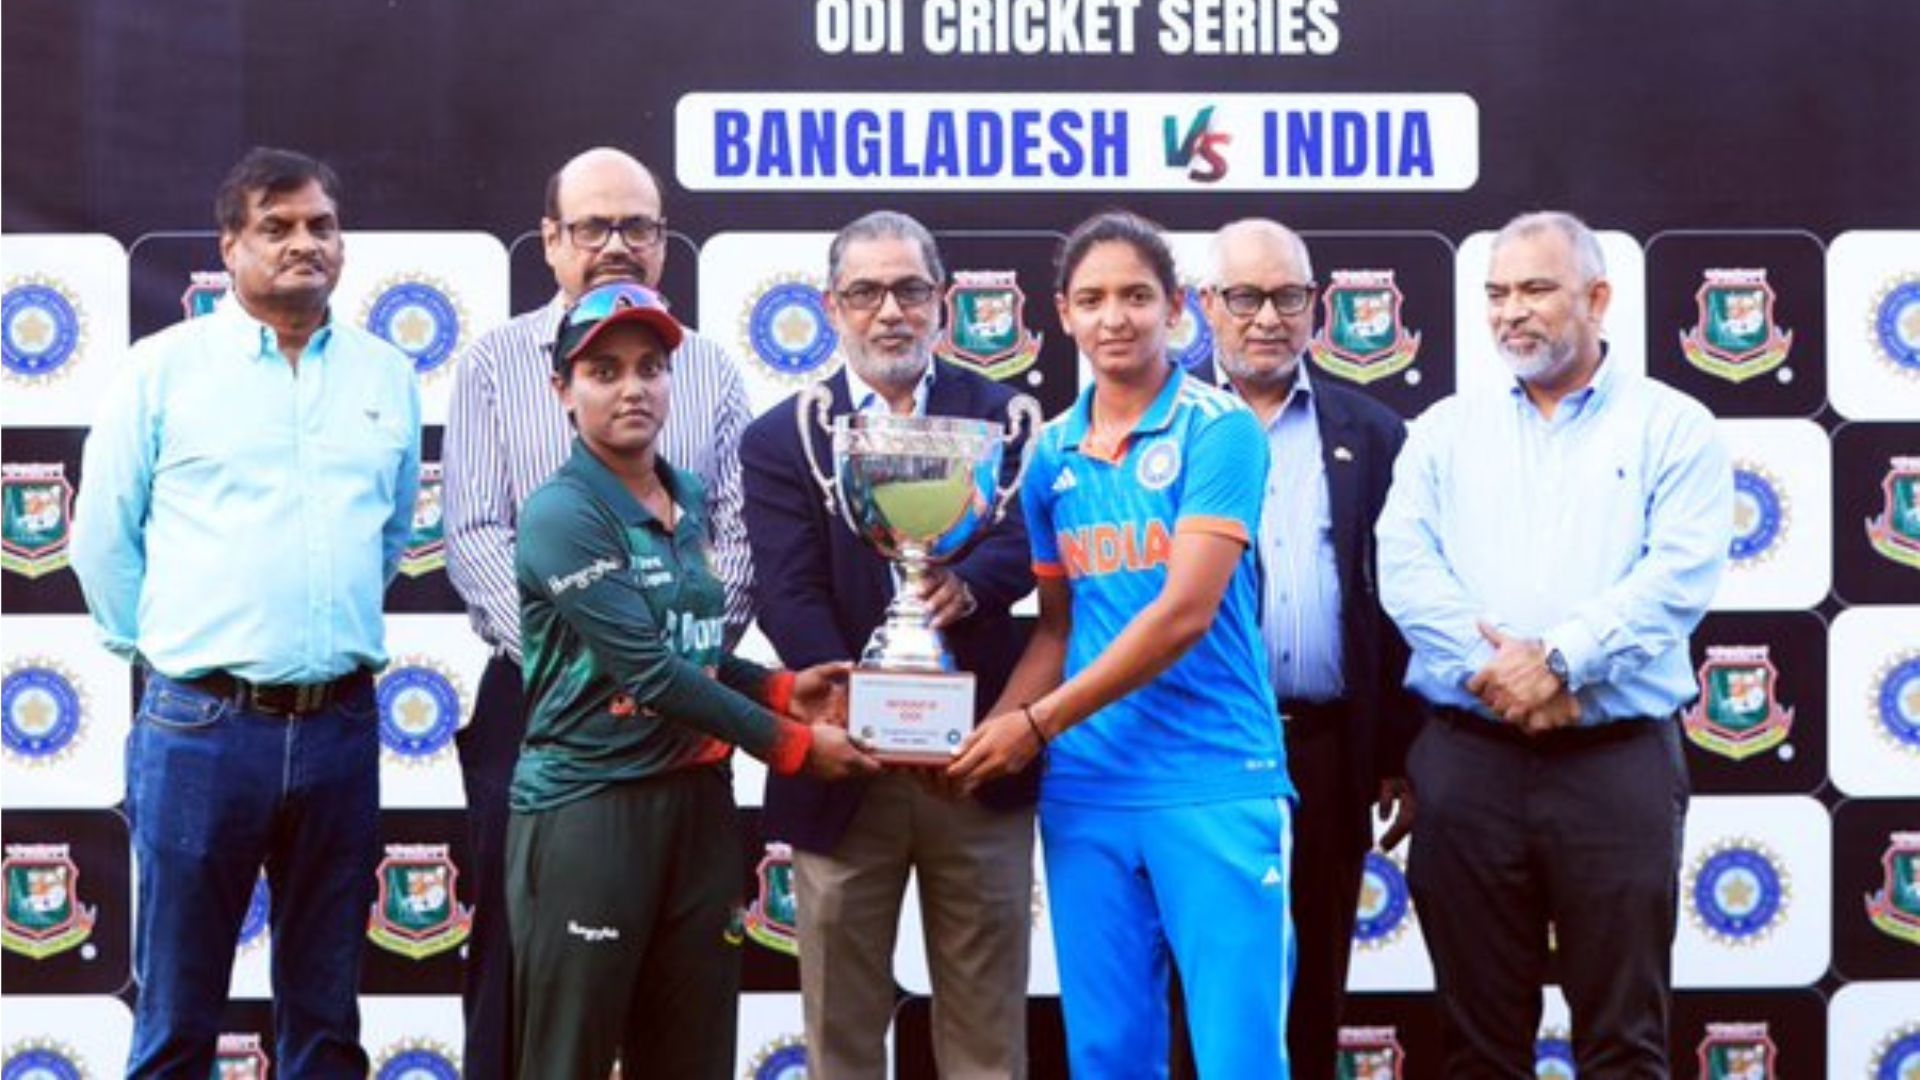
(820, 591)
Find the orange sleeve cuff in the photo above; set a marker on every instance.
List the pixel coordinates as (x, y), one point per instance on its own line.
(1049, 570)
(1213, 526)
(778, 692)
(790, 748)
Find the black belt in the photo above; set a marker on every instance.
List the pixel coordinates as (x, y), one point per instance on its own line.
(1306, 718)
(282, 699)
(1567, 738)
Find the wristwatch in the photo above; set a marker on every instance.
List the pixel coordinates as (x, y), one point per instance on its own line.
(1557, 664)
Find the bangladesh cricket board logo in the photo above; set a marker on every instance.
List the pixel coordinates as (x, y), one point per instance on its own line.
(421, 316)
(1762, 514)
(42, 1059)
(1386, 904)
(781, 1058)
(415, 1059)
(43, 711)
(1737, 714)
(773, 915)
(1894, 701)
(985, 330)
(43, 329)
(36, 517)
(1893, 325)
(1737, 1052)
(785, 327)
(1190, 342)
(240, 1056)
(44, 913)
(426, 549)
(1896, 532)
(1369, 1053)
(1895, 909)
(420, 704)
(1362, 337)
(203, 293)
(417, 913)
(1737, 893)
(1735, 337)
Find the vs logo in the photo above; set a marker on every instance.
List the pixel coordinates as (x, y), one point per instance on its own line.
(1199, 152)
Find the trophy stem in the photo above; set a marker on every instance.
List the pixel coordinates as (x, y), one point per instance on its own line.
(906, 639)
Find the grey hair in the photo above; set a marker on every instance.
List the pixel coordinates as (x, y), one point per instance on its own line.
(885, 225)
(1587, 256)
(1262, 227)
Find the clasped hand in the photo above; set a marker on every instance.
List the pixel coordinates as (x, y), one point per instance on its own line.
(1519, 688)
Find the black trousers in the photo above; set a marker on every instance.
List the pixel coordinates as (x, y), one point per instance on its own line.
(1579, 830)
(489, 746)
(1330, 841)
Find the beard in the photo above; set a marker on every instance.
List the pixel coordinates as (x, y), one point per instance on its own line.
(1241, 371)
(888, 369)
(1550, 359)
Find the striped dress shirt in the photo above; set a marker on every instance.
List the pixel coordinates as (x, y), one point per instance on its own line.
(506, 434)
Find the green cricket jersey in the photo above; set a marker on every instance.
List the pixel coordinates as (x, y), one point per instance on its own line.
(620, 626)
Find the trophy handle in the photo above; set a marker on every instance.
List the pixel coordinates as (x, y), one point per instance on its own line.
(815, 404)
(1023, 421)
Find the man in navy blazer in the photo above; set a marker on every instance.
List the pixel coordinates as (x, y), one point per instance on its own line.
(1335, 659)
(820, 592)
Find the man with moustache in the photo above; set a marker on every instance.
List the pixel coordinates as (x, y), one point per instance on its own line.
(1334, 659)
(1547, 547)
(506, 434)
(821, 592)
(250, 486)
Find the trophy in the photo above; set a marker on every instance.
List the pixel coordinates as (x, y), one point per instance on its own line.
(920, 491)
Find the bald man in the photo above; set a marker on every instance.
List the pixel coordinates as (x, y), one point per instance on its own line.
(506, 434)
(1334, 659)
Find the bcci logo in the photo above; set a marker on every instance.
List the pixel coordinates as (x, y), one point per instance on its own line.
(421, 317)
(420, 706)
(984, 329)
(782, 1058)
(415, 1059)
(1737, 893)
(1159, 464)
(1893, 327)
(1898, 1055)
(785, 326)
(41, 1059)
(1735, 337)
(1896, 532)
(1190, 342)
(1737, 1052)
(1199, 150)
(43, 711)
(1361, 337)
(773, 915)
(1369, 1053)
(253, 925)
(1386, 903)
(42, 329)
(1737, 714)
(37, 502)
(204, 290)
(1895, 909)
(1553, 1055)
(241, 1057)
(426, 549)
(1896, 701)
(44, 914)
(1761, 514)
(417, 914)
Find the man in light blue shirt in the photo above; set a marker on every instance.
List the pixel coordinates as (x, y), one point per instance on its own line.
(250, 482)
(1546, 549)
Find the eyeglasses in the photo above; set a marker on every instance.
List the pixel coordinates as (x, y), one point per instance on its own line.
(1245, 301)
(870, 295)
(592, 234)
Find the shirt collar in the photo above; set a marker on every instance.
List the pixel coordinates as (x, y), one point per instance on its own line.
(1159, 415)
(256, 338)
(867, 399)
(609, 489)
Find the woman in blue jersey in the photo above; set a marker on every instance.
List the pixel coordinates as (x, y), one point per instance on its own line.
(1164, 807)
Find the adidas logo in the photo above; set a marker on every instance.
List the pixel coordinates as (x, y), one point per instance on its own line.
(1272, 876)
(1065, 481)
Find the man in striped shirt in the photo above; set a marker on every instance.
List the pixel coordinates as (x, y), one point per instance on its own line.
(505, 436)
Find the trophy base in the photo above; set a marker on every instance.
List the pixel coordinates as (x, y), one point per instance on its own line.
(910, 717)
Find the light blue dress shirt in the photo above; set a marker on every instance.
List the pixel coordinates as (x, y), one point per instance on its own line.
(1300, 579)
(238, 515)
(1603, 532)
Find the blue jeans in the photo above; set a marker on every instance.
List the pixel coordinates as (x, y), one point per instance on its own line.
(214, 791)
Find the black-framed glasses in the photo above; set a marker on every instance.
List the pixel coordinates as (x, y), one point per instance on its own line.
(592, 233)
(1245, 301)
(870, 295)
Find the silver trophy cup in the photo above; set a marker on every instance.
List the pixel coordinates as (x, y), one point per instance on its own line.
(920, 491)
